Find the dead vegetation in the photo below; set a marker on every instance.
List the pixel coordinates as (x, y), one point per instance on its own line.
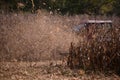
(34, 37)
(98, 49)
(26, 39)
(45, 71)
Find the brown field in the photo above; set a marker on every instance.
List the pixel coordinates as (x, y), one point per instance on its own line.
(34, 36)
(46, 71)
(34, 47)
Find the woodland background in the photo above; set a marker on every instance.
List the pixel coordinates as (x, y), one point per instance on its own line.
(70, 7)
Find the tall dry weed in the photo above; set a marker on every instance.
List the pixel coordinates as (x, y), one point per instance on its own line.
(34, 37)
(98, 49)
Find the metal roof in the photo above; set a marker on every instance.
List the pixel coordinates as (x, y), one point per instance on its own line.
(98, 21)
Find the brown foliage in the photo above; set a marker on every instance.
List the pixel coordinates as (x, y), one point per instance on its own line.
(100, 52)
(34, 37)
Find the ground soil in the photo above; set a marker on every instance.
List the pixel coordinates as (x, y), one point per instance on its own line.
(47, 70)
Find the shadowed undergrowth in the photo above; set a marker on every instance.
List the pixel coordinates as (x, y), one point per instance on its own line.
(98, 49)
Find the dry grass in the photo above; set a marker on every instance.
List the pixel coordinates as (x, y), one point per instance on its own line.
(32, 37)
(98, 49)
(41, 36)
(45, 71)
